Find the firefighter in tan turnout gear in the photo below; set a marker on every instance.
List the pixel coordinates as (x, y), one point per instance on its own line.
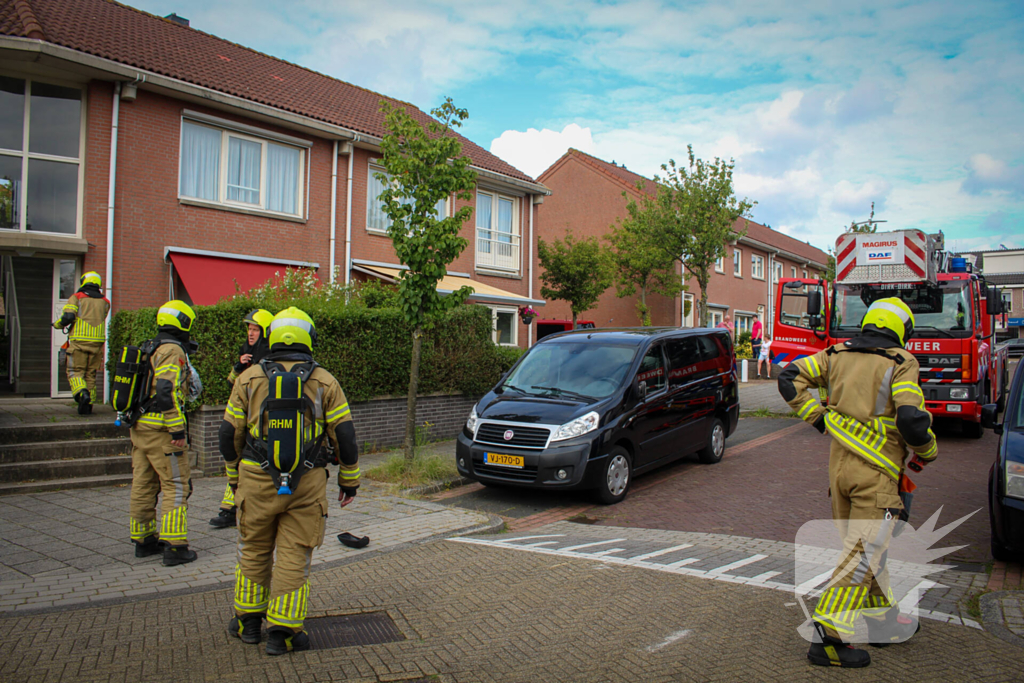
(256, 346)
(86, 314)
(875, 413)
(286, 419)
(160, 464)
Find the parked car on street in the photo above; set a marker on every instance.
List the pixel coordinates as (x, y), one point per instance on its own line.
(591, 409)
(1006, 478)
(1015, 347)
(548, 327)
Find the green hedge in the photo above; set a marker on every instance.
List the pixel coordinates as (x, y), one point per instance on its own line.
(367, 348)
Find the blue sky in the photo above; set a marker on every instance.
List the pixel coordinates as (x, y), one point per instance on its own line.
(825, 106)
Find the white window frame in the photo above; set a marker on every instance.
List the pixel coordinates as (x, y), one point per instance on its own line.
(720, 264)
(1008, 300)
(792, 271)
(715, 317)
(778, 271)
(26, 156)
(370, 201)
(737, 262)
(222, 202)
(805, 273)
(516, 234)
(692, 319)
(494, 324)
(743, 323)
(757, 266)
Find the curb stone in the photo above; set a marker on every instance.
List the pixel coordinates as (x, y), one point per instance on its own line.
(992, 617)
(436, 487)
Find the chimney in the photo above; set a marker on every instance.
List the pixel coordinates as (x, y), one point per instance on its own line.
(176, 19)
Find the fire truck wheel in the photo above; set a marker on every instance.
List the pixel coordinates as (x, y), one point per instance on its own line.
(972, 430)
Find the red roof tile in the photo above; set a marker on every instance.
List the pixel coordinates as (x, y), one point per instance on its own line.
(755, 231)
(129, 36)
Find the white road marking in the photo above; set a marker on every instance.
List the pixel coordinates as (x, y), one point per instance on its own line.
(536, 545)
(680, 563)
(736, 565)
(815, 582)
(670, 639)
(606, 552)
(573, 548)
(658, 553)
(530, 538)
(790, 604)
(764, 577)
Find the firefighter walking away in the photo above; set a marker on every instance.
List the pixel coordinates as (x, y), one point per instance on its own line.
(875, 412)
(287, 418)
(85, 314)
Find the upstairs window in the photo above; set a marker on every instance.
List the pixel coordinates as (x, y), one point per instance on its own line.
(238, 170)
(376, 219)
(757, 266)
(497, 232)
(737, 262)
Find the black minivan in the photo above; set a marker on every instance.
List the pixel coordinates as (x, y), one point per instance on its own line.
(591, 409)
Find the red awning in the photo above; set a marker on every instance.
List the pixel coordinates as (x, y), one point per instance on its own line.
(209, 279)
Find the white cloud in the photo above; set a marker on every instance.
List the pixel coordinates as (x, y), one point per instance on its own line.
(534, 150)
(857, 199)
(986, 173)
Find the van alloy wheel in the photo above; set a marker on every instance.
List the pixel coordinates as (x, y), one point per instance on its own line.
(618, 475)
(715, 447)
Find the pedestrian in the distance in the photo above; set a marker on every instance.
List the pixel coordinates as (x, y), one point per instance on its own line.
(726, 323)
(764, 355)
(756, 335)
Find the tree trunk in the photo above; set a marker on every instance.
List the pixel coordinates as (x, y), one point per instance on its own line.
(414, 383)
(574, 320)
(703, 303)
(645, 316)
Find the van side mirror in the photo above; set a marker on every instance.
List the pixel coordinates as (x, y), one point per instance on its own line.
(641, 390)
(988, 418)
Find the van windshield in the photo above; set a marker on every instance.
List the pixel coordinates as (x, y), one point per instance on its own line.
(588, 371)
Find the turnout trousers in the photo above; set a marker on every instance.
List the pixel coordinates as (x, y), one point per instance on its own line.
(227, 502)
(865, 506)
(277, 584)
(158, 468)
(85, 359)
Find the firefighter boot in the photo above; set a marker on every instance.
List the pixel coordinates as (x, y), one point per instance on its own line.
(150, 545)
(828, 651)
(84, 402)
(225, 518)
(895, 628)
(248, 627)
(178, 554)
(282, 640)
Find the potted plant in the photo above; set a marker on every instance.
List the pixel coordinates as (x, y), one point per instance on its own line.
(527, 314)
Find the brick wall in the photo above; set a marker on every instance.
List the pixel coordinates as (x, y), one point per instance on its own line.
(379, 423)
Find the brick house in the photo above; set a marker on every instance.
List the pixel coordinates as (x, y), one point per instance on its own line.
(1005, 269)
(175, 163)
(587, 197)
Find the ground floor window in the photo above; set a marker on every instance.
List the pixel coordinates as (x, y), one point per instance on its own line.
(688, 310)
(744, 323)
(504, 330)
(715, 318)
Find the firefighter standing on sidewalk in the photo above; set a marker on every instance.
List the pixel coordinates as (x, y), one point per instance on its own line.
(273, 431)
(875, 412)
(256, 346)
(86, 313)
(160, 464)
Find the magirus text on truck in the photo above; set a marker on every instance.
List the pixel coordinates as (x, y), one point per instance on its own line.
(955, 312)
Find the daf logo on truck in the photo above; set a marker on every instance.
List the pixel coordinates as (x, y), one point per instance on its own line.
(880, 251)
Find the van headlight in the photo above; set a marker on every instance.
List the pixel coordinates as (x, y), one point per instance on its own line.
(578, 427)
(1015, 479)
(471, 422)
(959, 394)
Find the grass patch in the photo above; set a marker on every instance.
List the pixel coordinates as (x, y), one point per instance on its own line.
(764, 411)
(973, 604)
(422, 471)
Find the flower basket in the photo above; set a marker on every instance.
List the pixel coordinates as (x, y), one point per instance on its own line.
(527, 314)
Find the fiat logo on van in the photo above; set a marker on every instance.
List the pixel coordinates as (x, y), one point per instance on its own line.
(509, 434)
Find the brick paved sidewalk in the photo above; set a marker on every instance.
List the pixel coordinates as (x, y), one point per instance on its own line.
(472, 613)
(762, 395)
(72, 547)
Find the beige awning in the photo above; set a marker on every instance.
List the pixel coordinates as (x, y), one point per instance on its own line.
(482, 292)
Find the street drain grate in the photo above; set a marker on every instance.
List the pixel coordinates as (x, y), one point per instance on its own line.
(352, 629)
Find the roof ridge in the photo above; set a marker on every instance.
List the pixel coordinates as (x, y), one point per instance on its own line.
(28, 20)
(600, 167)
(257, 52)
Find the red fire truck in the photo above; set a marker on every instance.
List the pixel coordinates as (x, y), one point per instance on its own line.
(954, 312)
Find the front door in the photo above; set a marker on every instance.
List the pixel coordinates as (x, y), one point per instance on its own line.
(65, 284)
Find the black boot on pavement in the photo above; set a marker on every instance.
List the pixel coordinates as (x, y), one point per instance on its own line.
(895, 628)
(248, 627)
(828, 651)
(84, 402)
(178, 554)
(225, 518)
(148, 546)
(282, 640)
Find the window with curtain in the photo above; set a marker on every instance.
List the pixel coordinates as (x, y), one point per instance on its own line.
(497, 232)
(234, 169)
(737, 262)
(376, 219)
(39, 180)
(757, 266)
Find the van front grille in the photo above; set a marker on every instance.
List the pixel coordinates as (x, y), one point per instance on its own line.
(522, 437)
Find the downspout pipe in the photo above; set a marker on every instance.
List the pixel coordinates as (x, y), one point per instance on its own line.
(529, 270)
(334, 207)
(115, 114)
(351, 148)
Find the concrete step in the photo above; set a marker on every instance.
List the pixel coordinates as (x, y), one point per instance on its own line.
(63, 450)
(63, 484)
(62, 431)
(46, 470)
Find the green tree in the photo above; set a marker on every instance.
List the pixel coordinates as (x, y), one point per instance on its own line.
(640, 263)
(574, 270)
(698, 210)
(424, 166)
(870, 226)
(830, 271)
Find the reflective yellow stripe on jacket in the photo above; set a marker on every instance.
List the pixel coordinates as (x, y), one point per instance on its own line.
(863, 440)
(83, 331)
